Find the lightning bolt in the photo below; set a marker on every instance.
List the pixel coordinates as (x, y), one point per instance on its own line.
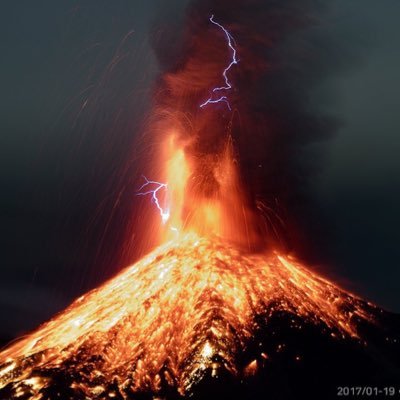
(234, 61)
(152, 188)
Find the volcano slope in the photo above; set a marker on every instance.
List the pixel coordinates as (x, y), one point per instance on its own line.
(201, 318)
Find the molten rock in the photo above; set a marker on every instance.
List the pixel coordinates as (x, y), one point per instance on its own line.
(201, 318)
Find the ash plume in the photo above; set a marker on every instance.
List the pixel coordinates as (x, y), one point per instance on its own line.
(273, 119)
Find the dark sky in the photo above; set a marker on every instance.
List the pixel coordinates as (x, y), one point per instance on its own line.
(76, 78)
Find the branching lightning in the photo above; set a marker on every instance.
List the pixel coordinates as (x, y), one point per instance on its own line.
(152, 188)
(234, 61)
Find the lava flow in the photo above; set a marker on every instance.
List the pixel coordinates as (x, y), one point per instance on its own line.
(213, 299)
(165, 320)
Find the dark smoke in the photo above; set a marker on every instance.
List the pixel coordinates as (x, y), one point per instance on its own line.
(274, 121)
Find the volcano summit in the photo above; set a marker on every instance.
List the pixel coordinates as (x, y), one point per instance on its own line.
(202, 318)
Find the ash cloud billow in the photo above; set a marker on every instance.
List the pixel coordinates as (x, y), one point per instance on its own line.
(273, 118)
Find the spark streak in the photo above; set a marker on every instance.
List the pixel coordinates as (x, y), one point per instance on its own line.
(165, 214)
(234, 61)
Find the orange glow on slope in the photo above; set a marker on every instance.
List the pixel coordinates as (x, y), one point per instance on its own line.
(165, 318)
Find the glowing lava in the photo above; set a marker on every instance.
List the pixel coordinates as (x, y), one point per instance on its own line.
(165, 320)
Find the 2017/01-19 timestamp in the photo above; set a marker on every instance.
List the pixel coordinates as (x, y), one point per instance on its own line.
(368, 391)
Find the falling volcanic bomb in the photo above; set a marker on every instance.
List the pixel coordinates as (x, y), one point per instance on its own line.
(218, 309)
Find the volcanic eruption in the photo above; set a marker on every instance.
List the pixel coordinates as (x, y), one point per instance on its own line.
(220, 308)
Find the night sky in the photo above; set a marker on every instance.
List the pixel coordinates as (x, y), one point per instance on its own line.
(76, 80)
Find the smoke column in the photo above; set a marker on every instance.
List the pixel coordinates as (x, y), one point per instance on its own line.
(270, 119)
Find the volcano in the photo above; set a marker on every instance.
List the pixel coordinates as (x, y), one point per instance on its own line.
(218, 309)
(201, 318)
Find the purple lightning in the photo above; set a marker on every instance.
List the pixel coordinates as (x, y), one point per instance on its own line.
(234, 61)
(153, 187)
